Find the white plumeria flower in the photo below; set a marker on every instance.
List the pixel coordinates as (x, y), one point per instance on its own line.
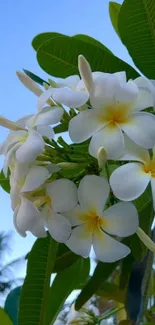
(25, 145)
(116, 108)
(60, 196)
(92, 225)
(28, 218)
(147, 85)
(129, 181)
(70, 93)
(80, 317)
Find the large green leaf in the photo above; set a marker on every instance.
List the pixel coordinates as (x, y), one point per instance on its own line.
(64, 283)
(64, 258)
(101, 274)
(12, 304)
(4, 182)
(35, 78)
(4, 318)
(91, 40)
(58, 57)
(40, 39)
(136, 25)
(114, 9)
(35, 291)
(111, 291)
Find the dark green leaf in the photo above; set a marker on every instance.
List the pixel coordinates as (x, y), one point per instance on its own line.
(4, 318)
(126, 267)
(101, 274)
(40, 39)
(111, 291)
(114, 9)
(12, 304)
(4, 182)
(64, 258)
(91, 40)
(59, 57)
(35, 291)
(35, 78)
(136, 25)
(64, 283)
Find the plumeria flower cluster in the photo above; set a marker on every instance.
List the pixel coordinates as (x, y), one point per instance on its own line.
(109, 119)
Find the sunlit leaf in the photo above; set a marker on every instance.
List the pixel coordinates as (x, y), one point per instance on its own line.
(4, 318)
(4, 182)
(114, 9)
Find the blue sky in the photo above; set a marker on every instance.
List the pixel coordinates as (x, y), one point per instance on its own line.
(20, 22)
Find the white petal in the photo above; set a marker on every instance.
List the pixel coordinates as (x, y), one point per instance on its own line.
(58, 227)
(27, 215)
(63, 194)
(127, 92)
(121, 75)
(129, 181)
(46, 131)
(74, 215)
(29, 83)
(108, 249)
(14, 193)
(23, 121)
(84, 125)
(38, 230)
(93, 193)
(70, 81)
(134, 152)
(19, 172)
(44, 98)
(9, 156)
(153, 191)
(146, 96)
(20, 232)
(69, 97)
(120, 219)
(80, 240)
(141, 129)
(49, 115)
(104, 90)
(31, 148)
(111, 138)
(35, 177)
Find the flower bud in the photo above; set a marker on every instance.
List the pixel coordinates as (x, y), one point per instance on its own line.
(101, 157)
(85, 72)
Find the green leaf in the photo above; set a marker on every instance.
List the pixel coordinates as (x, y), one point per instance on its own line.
(40, 39)
(4, 318)
(136, 25)
(61, 128)
(64, 258)
(114, 9)
(4, 182)
(35, 291)
(59, 56)
(101, 274)
(35, 78)
(64, 283)
(91, 40)
(125, 270)
(111, 291)
(12, 304)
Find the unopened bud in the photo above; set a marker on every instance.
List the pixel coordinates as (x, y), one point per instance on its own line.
(101, 157)
(146, 239)
(85, 72)
(45, 85)
(52, 83)
(29, 83)
(68, 165)
(9, 124)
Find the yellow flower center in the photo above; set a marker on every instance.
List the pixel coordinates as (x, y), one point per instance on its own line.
(117, 113)
(149, 167)
(92, 219)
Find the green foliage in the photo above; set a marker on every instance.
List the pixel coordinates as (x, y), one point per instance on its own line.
(35, 291)
(12, 304)
(4, 182)
(136, 26)
(91, 40)
(4, 318)
(42, 38)
(111, 291)
(35, 78)
(58, 57)
(114, 9)
(64, 283)
(64, 258)
(101, 274)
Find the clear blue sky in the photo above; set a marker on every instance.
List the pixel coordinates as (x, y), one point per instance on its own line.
(20, 21)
